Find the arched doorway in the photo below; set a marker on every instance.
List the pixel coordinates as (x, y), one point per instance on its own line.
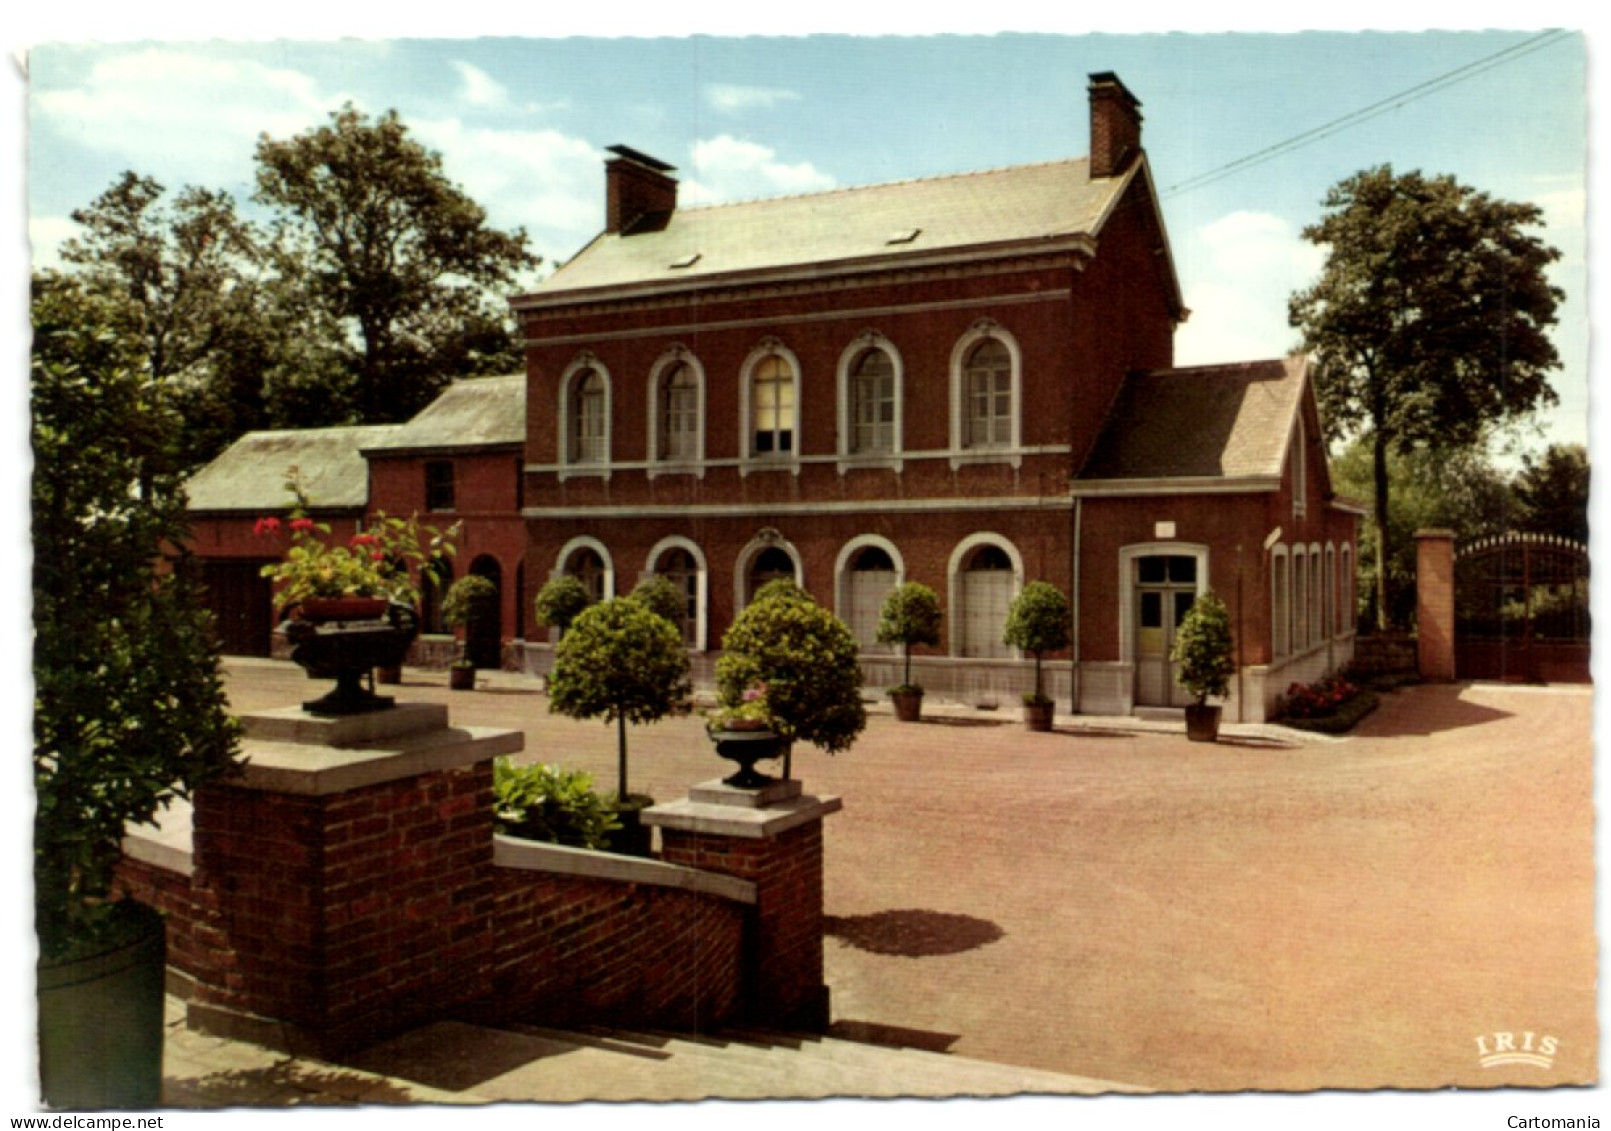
(987, 582)
(868, 581)
(483, 641)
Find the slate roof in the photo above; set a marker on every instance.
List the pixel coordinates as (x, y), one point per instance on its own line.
(996, 208)
(472, 412)
(249, 475)
(1205, 422)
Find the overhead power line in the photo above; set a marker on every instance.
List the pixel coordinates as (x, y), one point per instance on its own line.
(1375, 109)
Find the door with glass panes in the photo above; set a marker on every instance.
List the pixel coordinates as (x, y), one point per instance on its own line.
(1165, 587)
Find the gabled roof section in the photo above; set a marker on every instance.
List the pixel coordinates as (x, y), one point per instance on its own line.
(472, 412)
(250, 474)
(1024, 207)
(1214, 422)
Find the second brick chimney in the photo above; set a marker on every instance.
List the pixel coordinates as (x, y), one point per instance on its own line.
(639, 196)
(1115, 125)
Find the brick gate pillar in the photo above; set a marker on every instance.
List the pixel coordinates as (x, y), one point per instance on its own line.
(342, 879)
(771, 837)
(1434, 603)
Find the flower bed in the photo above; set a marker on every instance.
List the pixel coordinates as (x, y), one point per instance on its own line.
(1332, 705)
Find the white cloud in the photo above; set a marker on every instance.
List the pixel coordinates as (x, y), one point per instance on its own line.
(478, 88)
(1237, 274)
(731, 99)
(727, 168)
(541, 180)
(197, 116)
(46, 234)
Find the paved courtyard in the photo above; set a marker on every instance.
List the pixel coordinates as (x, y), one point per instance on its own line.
(1275, 911)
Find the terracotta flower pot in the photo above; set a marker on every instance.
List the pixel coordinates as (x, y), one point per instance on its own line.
(908, 705)
(1202, 722)
(1038, 715)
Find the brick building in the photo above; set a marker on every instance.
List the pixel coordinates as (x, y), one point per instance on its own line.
(965, 381)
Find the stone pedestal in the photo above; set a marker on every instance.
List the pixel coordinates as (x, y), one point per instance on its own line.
(771, 837)
(341, 880)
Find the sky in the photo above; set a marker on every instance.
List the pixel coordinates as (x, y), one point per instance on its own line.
(749, 103)
(522, 125)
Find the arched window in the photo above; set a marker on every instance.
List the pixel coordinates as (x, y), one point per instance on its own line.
(986, 584)
(1280, 603)
(1350, 592)
(679, 567)
(872, 403)
(589, 417)
(679, 415)
(1300, 599)
(770, 564)
(988, 396)
(871, 575)
(772, 407)
(587, 566)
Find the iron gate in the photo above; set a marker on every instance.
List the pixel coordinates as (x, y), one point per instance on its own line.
(1522, 609)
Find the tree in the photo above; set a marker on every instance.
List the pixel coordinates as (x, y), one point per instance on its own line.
(559, 602)
(129, 708)
(1552, 492)
(1429, 324)
(1204, 650)
(660, 596)
(394, 252)
(1453, 489)
(1038, 621)
(183, 281)
(804, 657)
(911, 615)
(621, 661)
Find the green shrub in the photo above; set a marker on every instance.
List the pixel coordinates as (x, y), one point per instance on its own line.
(560, 602)
(660, 596)
(1203, 648)
(549, 804)
(1038, 621)
(472, 604)
(911, 615)
(804, 657)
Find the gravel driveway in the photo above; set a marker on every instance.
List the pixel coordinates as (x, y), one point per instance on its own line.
(1278, 913)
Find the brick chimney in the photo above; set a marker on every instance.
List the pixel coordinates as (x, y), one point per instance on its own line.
(1115, 125)
(639, 197)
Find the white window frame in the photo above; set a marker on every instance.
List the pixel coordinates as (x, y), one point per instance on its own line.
(848, 455)
(659, 373)
(1010, 452)
(751, 460)
(571, 464)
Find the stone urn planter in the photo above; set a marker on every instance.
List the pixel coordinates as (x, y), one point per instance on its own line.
(347, 649)
(747, 746)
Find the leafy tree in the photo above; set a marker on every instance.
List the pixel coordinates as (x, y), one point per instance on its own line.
(1429, 324)
(129, 708)
(623, 662)
(1552, 492)
(471, 603)
(910, 615)
(804, 657)
(1038, 621)
(559, 602)
(660, 596)
(1458, 489)
(394, 252)
(183, 281)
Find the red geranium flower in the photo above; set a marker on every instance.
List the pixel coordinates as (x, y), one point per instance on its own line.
(266, 526)
(301, 524)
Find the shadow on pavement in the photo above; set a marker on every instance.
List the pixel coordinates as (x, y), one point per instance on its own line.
(1427, 708)
(892, 1036)
(912, 933)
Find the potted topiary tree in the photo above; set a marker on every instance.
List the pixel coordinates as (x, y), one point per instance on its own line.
(911, 615)
(1038, 622)
(803, 660)
(471, 609)
(661, 597)
(1204, 650)
(129, 704)
(624, 663)
(560, 602)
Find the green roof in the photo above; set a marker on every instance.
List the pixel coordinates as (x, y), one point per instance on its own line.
(1010, 210)
(250, 474)
(472, 412)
